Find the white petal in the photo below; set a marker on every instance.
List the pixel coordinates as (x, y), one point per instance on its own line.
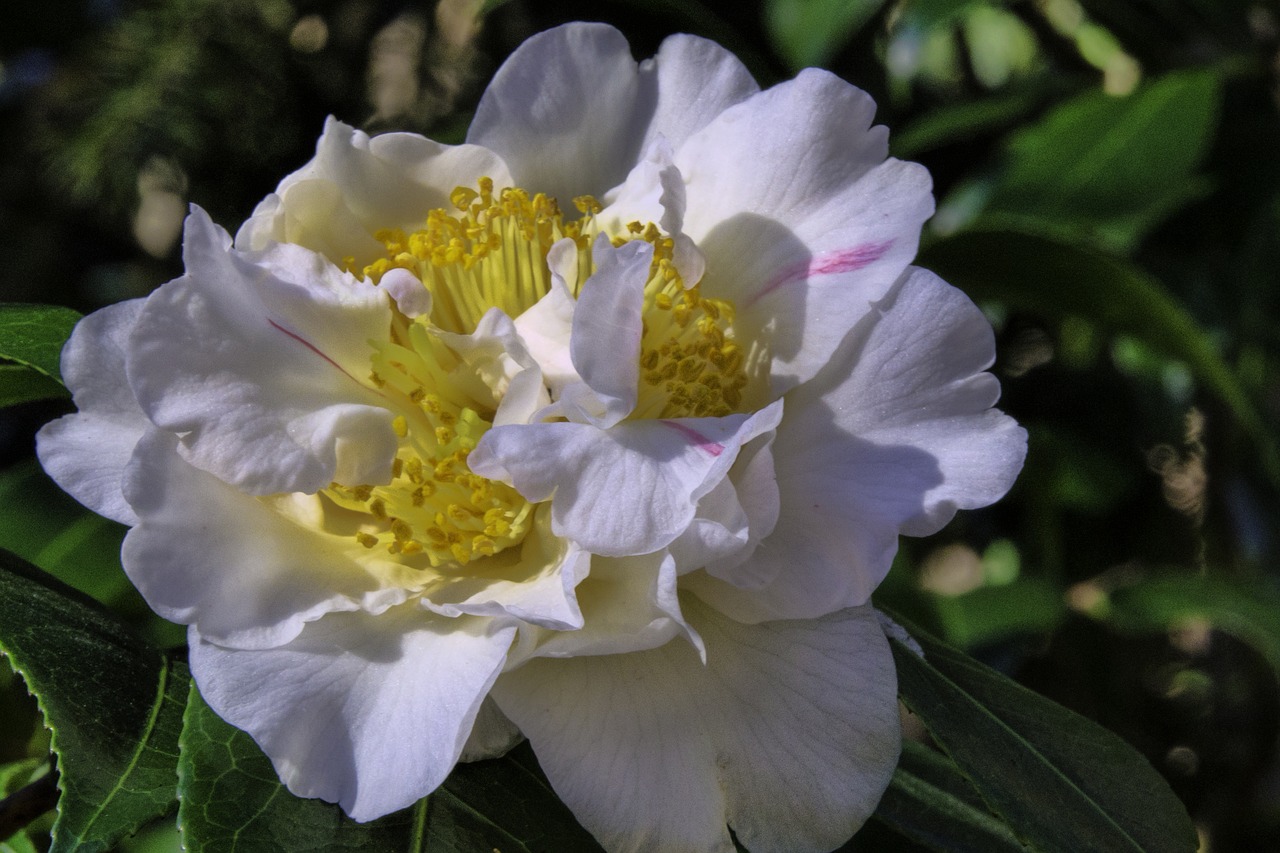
(86, 452)
(919, 381)
(357, 185)
(369, 711)
(893, 436)
(407, 291)
(628, 490)
(915, 380)
(802, 220)
(789, 734)
(258, 360)
(570, 111)
(547, 326)
(628, 604)
(247, 575)
(733, 518)
(696, 80)
(502, 370)
(719, 530)
(655, 192)
(604, 344)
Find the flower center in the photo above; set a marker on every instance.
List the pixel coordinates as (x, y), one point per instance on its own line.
(491, 251)
(434, 510)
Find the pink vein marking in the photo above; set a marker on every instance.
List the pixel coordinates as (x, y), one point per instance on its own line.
(306, 343)
(841, 260)
(703, 443)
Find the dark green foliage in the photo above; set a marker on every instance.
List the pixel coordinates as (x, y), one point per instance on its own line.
(113, 703)
(233, 801)
(1060, 781)
(931, 802)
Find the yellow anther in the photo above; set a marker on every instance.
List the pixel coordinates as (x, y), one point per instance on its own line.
(368, 540)
(462, 197)
(400, 425)
(400, 530)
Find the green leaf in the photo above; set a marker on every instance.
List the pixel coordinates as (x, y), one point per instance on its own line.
(1110, 168)
(931, 802)
(21, 384)
(33, 335)
(952, 123)
(112, 702)
(1062, 782)
(1243, 608)
(810, 32)
(1057, 280)
(43, 525)
(937, 13)
(232, 800)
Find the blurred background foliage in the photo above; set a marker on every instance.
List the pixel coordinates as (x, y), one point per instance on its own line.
(1109, 192)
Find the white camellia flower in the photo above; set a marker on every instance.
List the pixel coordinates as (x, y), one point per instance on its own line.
(599, 429)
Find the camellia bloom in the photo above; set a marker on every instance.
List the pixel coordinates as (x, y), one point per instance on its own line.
(599, 429)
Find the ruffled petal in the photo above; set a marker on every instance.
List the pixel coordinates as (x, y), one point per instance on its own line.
(815, 230)
(571, 111)
(919, 381)
(894, 436)
(258, 362)
(628, 490)
(789, 735)
(734, 517)
(505, 374)
(655, 192)
(604, 343)
(369, 712)
(628, 604)
(244, 570)
(547, 327)
(696, 80)
(543, 594)
(86, 452)
(356, 186)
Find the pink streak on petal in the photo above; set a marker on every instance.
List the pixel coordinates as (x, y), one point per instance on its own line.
(703, 443)
(306, 343)
(841, 260)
